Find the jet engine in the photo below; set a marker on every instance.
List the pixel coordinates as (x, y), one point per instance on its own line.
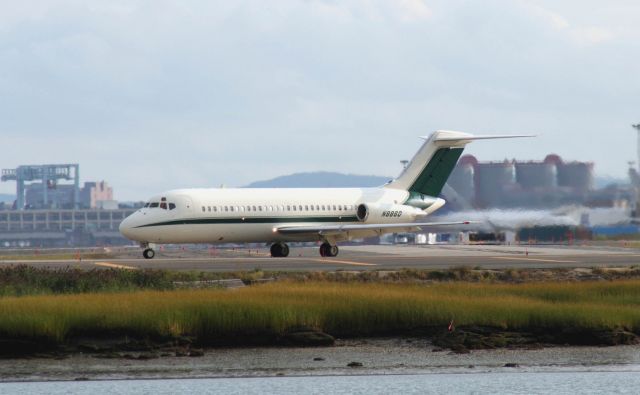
(387, 213)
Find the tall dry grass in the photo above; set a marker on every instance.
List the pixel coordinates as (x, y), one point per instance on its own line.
(342, 309)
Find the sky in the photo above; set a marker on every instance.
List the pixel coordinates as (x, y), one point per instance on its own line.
(153, 95)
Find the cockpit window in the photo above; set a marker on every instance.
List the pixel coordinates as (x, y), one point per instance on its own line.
(154, 204)
(163, 205)
(172, 206)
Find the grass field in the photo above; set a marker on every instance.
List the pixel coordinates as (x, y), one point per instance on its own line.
(341, 309)
(55, 257)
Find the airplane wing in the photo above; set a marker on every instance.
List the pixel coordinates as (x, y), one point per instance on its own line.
(379, 228)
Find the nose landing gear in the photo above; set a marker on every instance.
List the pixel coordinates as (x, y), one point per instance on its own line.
(148, 253)
(327, 249)
(279, 250)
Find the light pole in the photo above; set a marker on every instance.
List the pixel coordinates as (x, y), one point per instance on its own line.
(637, 128)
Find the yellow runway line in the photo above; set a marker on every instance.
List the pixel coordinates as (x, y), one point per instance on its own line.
(115, 266)
(352, 263)
(509, 258)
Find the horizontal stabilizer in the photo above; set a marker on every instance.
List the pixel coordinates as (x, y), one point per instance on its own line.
(459, 136)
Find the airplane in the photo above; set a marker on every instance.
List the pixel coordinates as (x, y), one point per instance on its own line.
(326, 215)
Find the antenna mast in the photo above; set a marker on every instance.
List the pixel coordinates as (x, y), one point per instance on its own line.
(637, 128)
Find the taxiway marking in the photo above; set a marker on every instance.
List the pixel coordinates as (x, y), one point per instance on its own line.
(115, 266)
(352, 263)
(511, 258)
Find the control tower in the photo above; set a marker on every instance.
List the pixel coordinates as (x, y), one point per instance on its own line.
(48, 175)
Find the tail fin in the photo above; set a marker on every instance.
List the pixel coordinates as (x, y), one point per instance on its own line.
(430, 168)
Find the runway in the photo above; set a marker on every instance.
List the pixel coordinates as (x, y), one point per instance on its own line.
(390, 257)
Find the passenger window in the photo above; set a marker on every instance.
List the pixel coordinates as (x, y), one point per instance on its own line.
(259, 208)
(209, 208)
(215, 209)
(226, 208)
(288, 208)
(306, 207)
(317, 207)
(300, 207)
(311, 207)
(172, 206)
(203, 210)
(340, 207)
(294, 207)
(323, 208)
(334, 207)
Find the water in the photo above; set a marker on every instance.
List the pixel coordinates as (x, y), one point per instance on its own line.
(620, 382)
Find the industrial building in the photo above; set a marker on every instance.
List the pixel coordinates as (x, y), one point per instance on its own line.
(551, 182)
(61, 228)
(38, 187)
(48, 177)
(51, 213)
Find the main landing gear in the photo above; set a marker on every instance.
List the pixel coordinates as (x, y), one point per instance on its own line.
(327, 249)
(279, 250)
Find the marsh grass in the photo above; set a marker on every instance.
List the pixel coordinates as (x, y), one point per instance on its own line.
(29, 280)
(55, 257)
(341, 309)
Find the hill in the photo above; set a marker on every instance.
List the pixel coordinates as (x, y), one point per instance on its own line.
(321, 179)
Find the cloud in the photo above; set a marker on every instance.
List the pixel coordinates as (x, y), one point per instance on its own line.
(581, 34)
(413, 10)
(592, 35)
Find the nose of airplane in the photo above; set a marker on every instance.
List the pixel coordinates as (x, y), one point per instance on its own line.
(126, 227)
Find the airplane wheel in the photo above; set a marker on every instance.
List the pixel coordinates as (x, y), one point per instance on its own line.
(327, 249)
(148, 253)
(284, 250)
(324, 249)
(279, 250)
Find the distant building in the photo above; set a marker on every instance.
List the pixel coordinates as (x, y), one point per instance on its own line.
(91, 195)
(62, 227)
(526, 184)
(97, 195)
(57, 196)
(39, 187)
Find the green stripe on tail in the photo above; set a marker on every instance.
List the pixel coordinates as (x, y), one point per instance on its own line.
(435, 174)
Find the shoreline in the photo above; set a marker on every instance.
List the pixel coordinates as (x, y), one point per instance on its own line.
(461, 340)
(385, 356)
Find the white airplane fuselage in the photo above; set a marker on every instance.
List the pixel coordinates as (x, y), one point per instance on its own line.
(251, 214)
